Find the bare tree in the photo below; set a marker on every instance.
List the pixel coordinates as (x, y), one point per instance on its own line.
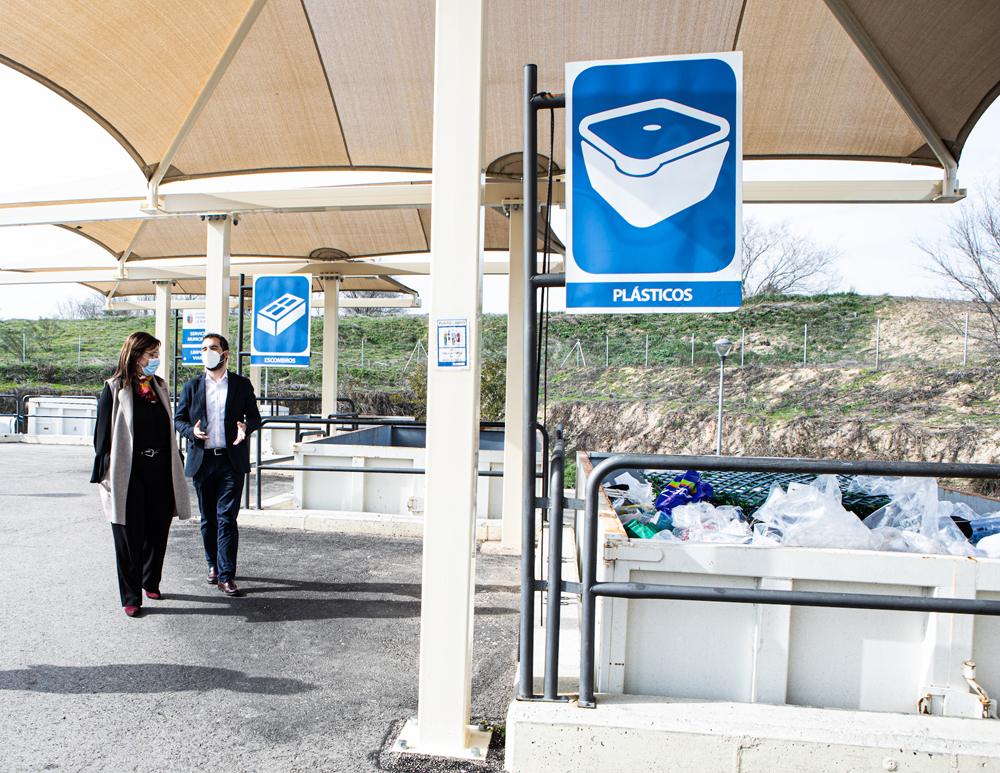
(968, 258)
(371, 311)
(88, 306)
(776, 260)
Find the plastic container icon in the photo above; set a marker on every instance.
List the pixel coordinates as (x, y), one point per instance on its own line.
(653, 159)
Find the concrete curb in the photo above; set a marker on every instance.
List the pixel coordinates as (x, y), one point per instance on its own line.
(49, 440)
(379, 524)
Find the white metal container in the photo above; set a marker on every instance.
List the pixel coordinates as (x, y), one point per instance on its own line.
(805, 656)
(62, 416)
(384, 493)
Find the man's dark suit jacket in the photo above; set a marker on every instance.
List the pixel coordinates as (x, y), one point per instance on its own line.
(241, 405)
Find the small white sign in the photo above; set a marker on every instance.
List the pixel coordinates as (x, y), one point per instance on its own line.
(453, 343)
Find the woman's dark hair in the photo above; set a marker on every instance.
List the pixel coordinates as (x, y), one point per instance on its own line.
(128, 361)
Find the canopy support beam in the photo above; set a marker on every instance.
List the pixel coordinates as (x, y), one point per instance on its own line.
(331, 353)
(888, 76)
(217, 276)
(449, 559)
(163, 328)
(127, 252)
(228, 54)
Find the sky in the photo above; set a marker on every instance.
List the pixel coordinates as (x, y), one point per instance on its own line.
(54, 152)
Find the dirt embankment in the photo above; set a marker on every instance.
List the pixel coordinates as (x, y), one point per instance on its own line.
(905, 414)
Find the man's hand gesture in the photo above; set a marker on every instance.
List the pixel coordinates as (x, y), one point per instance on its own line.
(241, 433)
(198, 433)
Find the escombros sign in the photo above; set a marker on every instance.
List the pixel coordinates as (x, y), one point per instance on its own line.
(280, 332)
(654, 184)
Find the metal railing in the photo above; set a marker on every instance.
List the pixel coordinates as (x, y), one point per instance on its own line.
(589, 589)
(353, 419)
(21, 414)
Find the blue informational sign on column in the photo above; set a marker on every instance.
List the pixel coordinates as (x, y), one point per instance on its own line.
(280, 334)
(654, 184)
(194, 331)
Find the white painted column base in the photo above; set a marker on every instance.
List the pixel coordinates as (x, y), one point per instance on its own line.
(477, 743)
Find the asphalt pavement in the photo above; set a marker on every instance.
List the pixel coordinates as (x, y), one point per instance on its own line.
(315, 669)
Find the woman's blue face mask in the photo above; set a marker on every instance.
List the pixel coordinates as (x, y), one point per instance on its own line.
(150, 367)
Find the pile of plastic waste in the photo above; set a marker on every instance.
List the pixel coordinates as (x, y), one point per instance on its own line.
(808, 515)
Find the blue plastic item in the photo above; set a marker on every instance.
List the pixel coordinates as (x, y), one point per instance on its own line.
(984, 527)
(683, 490)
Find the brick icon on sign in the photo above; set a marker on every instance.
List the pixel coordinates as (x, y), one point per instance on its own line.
(279, 315)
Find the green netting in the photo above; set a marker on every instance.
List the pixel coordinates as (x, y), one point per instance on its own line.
(749, 490)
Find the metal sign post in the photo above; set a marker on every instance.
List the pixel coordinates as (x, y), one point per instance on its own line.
(654, 184)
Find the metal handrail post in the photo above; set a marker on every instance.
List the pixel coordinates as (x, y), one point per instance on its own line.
(526, 639)
(545, 457)
(260, 436)
(553, 617)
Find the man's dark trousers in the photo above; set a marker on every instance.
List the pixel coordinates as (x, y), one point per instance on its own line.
(219, 489)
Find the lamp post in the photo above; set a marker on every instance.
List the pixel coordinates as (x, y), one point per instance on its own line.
(723, 346)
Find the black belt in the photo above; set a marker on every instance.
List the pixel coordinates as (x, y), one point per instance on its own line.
(215, 451)
(150, 452)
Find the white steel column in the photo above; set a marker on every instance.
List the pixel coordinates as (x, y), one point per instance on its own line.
(511, 537)
(331, 329)
(448, 587)
(217, 276)
(163, 329)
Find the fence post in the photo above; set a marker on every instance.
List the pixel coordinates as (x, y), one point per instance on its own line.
(692, 350)
(647, 350)
(607, 345)
(878, 335)
(965, 346)
(805, 343)
(743, 344)
(362, 352)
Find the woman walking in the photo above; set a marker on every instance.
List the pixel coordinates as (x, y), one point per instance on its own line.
(138, 468)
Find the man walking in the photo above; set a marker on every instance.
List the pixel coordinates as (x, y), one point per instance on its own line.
(216, 412)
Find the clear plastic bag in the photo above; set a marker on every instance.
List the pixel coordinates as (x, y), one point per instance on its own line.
(873, 487)
(810, 515)
(634, 489)
(701, 522)
(916, 522)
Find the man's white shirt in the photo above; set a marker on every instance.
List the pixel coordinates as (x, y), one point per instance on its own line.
(215, 410)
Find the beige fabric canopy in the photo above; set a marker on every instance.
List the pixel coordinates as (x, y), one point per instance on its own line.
(321, 85)
(196, 286)
(300, 235)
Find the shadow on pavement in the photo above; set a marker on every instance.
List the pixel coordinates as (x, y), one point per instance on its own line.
(143, 678)
(265, 600)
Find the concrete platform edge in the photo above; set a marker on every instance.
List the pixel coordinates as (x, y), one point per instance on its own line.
(649, 733)
(355, 523)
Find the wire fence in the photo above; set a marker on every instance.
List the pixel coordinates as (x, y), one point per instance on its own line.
(396, 349)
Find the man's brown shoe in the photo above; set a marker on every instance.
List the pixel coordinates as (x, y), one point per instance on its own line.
(229, 588)
(213, 575)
